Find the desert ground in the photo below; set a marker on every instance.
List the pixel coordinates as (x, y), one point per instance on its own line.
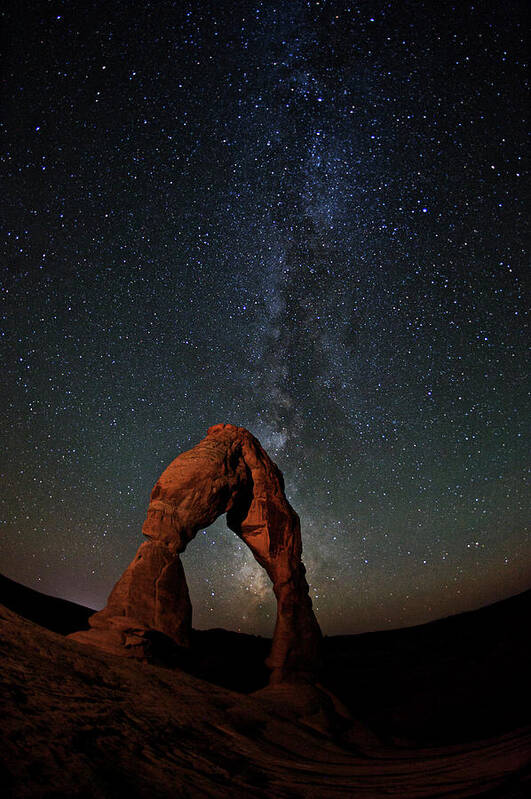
(440, 710)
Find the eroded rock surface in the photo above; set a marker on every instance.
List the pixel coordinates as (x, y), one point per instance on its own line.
(77, 722)
(227, 472)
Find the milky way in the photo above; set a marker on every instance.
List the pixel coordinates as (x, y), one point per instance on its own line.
(308, 219)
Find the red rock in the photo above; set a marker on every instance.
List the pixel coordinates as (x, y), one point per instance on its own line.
(227, 472)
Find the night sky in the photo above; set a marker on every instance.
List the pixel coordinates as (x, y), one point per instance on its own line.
(304, 218)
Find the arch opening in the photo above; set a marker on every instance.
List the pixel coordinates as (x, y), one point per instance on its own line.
(227, 587)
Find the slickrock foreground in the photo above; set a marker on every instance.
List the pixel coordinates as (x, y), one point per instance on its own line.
(79, 722)
(227, 472)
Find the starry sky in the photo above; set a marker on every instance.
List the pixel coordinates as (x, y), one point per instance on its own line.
(304, 218)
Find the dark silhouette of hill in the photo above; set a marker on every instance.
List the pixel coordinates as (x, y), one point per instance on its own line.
(58, 615)
(455, 679)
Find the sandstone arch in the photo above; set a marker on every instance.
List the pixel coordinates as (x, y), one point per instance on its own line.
(227, 472)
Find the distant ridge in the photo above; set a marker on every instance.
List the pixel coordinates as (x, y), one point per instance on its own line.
(513, 610)
(63, 616)
(463, 676)
(56, 614)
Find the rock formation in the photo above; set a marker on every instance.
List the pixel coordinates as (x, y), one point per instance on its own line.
(227, 472)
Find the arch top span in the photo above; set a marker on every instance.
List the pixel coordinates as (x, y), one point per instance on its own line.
(227, 472)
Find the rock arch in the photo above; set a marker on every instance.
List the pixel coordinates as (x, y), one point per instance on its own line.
(227, 472)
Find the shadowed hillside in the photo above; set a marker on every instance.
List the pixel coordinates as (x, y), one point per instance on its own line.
(58, 615)
(456, 679)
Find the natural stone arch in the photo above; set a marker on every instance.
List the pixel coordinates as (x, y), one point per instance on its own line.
(227, 472)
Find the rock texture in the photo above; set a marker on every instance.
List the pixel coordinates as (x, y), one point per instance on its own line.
(227, 472)
(79, 723)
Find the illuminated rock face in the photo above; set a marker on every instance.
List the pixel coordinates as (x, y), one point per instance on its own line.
(227, 472)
